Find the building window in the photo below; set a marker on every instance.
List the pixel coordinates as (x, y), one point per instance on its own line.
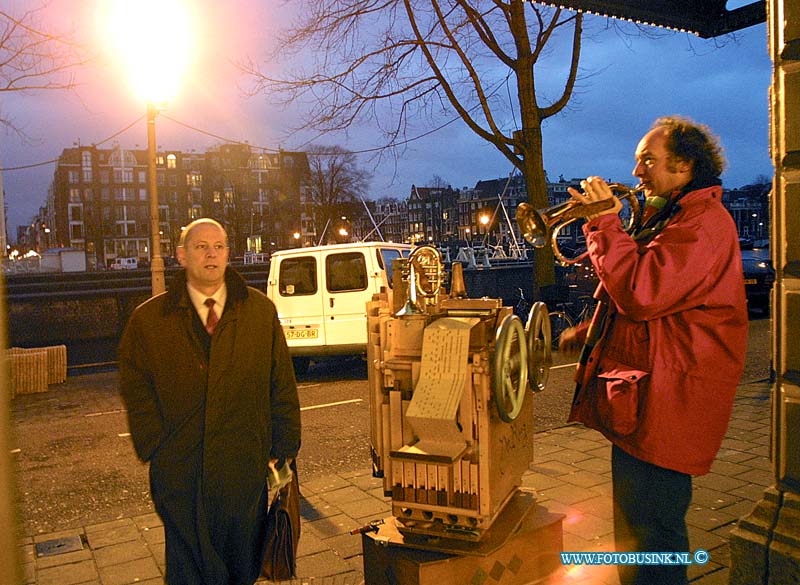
(143, 194)
(123, 175)
(74, 195)
(104, 177)
(173, 181)
(172, 161)
(76, 212)
(73, 177)
(88, 195)
(142, 177)
(76, 231)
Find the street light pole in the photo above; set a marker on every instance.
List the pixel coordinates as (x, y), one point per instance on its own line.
(156, 261)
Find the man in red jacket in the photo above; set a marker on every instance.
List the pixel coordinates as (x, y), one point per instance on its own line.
(660, 381)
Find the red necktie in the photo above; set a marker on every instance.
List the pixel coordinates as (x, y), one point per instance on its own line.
(212, 320)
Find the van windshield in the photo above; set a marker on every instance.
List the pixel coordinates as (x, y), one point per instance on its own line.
(298, 276)
(346, 272)
(385, 257)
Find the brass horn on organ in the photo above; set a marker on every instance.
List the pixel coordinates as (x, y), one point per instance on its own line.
(422, 273)
(537, 225)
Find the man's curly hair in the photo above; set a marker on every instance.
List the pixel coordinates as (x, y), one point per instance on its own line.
(687, 140)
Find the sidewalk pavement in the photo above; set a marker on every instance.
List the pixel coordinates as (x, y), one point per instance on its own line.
(570, 473)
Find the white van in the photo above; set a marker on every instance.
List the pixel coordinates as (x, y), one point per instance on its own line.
(321, 294)
(125, 264)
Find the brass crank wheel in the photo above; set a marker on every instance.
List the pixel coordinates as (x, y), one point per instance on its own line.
(510, 368)
(540, 355)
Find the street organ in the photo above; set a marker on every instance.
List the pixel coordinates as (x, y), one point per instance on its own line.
(450, 382)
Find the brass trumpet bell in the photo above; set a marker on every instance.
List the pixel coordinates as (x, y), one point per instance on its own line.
(537, 225)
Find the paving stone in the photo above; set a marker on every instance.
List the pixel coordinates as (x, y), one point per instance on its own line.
(540, 481)
(120, 553)
(601, 506)
(153, 536)
(346, 494)
(100, 535)
(332, 526)
(721, 577)
(584, 478)
(709, 519)
(56, 535)
(345, 545)
(711, 498)
(129, 572)
(569, 494)
(588, 526)
(322, 485)
(310, 544)
(323, 564)
(69, 574)
(758, 476)
(553, 467)
(720, 482)
(368, 506)
(64, 559)
(148, 521)
(601, 466)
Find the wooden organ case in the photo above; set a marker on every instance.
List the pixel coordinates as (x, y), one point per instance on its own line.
(451, 406)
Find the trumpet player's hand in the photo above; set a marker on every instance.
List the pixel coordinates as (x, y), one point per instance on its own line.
(596, 189)
(568, 341)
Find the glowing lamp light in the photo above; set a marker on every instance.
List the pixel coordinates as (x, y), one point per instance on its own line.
(153, 40)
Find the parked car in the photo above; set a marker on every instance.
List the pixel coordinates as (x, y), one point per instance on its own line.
(759, 276)
(125, 264)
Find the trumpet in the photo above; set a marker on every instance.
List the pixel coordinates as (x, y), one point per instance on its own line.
(537, 225)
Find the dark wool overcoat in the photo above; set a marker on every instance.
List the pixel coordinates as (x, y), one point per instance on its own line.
(208, 413)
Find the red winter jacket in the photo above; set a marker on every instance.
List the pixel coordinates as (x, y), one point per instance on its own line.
(660, 384)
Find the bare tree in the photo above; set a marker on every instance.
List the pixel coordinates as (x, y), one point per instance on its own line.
(33, 58)
(335, 185)
(419, 59)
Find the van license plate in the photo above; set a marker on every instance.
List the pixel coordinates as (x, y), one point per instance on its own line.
(751, 281)
(301, 333)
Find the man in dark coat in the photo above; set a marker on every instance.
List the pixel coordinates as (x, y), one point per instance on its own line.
(211, 396)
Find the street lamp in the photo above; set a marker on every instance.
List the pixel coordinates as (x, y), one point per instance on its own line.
(154, 68)
(157, 283)
(484, 219)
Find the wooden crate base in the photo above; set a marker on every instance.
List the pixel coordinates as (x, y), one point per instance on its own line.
(519, 549)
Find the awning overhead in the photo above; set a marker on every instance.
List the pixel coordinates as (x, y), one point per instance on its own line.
(705, 18)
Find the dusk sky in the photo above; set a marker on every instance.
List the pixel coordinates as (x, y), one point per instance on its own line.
(723, 83)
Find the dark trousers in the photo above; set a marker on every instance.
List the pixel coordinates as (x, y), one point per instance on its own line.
(650, 505)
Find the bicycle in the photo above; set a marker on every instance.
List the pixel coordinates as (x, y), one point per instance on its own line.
(566, 313)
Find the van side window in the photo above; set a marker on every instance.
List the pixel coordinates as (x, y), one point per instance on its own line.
(346, 272)
(298, 276)
(385, 258)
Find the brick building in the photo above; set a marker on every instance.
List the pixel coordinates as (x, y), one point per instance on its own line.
(98, 201)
